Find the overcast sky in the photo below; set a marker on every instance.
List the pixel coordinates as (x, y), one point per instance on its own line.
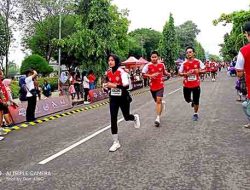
(154, 13)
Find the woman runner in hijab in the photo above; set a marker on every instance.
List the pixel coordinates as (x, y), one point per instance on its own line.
(64, 83)
(117, 85)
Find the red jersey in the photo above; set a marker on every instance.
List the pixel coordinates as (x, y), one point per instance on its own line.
(157, 82)
(207, 64)
(193, 80)
(213, 67)
(91, 78)
(119, 77)
(245, 50)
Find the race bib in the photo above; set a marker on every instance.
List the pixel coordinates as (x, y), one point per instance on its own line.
(192, 78)
(116, 92)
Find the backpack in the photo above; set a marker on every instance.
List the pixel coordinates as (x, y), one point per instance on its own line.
(23, 93)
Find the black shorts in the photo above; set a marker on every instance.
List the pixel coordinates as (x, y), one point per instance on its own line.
(196, 94)
(157, 93)
(4, 108)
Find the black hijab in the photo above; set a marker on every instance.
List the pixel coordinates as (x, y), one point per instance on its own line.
(117, 62)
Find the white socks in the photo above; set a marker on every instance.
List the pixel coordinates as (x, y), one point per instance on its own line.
(115, 137)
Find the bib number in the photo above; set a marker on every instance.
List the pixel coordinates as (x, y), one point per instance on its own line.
(116, 92)
(192, 78)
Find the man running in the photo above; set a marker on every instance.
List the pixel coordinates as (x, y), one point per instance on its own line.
(213, 69)
(190, 70)
(155, 71)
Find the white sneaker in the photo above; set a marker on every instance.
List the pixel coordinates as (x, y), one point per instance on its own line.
(137, 123)
(2, 132)
(157, 122)
(115, 146)
(1, 138)
(163, 105)
(86, 102)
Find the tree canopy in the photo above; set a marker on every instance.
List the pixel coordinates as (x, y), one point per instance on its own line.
(36, 62)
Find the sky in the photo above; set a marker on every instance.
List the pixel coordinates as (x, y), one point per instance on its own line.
(154, 14)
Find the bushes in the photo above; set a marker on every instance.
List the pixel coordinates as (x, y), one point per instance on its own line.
(53, 81)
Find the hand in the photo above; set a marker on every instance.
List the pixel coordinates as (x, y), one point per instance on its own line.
(111, 85)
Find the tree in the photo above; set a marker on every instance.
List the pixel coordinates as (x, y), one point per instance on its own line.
(7, 11)
(36, 62)
(13, 69)
(236, 39)
(42, 40)
(168, 44)
(148, 39)
(2, 41)
(33, 12)
(186, 34)
(102, 30)
(200, 52)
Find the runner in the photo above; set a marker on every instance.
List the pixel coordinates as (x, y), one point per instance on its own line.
(155, 71)
(243, 67)
(117, 84)
(190, 70)
(213, 69)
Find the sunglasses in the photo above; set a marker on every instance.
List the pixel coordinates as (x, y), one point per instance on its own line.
(189, 52)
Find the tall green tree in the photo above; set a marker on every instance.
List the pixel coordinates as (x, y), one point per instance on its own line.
(3, 40)
(168, 44)
(235, 39)
(186, 35)
(200, 52)
(8, 10)
(98, 34)
(42, 40)
(148, 39)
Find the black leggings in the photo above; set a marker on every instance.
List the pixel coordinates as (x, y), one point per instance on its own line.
(30, 112)
(115, 103)
(86, 93)
(196, 94)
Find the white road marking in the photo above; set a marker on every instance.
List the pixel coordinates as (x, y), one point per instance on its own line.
(85, 139)
(174, 91)
(76, 144)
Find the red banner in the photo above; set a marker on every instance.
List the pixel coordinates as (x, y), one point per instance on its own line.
(43, 107)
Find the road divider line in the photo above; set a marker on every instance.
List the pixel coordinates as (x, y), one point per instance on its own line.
(174, 91)
(76, 144)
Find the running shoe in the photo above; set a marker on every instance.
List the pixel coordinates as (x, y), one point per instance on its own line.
(195, 117)
(86, 102)
(157, 122)
(1, 138)
(2, 132)
(247, 126)
(137, 123)
(114, 146)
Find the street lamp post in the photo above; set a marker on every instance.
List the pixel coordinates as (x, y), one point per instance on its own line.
(59, 51)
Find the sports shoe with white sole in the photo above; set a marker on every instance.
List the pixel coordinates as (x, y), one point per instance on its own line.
(114, 146)
(1, 138)
(137, 123)
(157, 122)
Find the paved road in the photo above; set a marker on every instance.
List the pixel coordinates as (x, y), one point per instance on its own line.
(212, 153)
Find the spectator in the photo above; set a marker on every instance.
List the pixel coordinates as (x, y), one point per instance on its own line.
(92, 79)
(64, 83)
(46, 89)
(7, 116)
(31, 94)
(85, 87)
(243, 67)
(77, 83)
(37, 88)
(3, 104)
(23, 89)
(71, 87)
